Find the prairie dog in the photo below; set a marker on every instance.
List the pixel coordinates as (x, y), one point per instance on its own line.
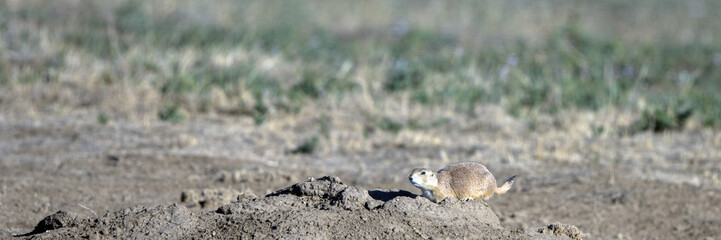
(464, 181)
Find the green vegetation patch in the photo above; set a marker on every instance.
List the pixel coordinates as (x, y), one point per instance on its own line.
(569, 64)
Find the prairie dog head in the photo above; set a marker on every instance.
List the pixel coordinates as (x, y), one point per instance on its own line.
(423, 178)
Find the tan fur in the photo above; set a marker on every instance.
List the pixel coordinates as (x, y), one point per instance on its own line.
(464, 181)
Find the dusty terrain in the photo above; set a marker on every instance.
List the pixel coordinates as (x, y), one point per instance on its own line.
(222, 176)
(317, 209)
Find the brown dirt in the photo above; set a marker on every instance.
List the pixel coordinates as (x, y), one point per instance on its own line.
(137, 178)
(317, 209)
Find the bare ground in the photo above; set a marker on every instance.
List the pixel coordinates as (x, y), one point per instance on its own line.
(137, 175)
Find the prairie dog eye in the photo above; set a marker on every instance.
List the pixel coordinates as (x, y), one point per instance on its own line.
(423, 173)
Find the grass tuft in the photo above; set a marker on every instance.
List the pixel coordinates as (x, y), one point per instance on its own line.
(171, 113)
(306, 147)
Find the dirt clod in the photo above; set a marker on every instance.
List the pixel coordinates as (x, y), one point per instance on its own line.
(209, 198)
(561, 230)
(60, 219)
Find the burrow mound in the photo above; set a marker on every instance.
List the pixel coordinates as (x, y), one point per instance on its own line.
(317, 208)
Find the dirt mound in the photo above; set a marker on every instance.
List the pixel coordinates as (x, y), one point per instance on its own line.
(317, 208)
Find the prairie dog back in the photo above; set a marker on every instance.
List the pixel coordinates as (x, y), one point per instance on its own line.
(468, 180)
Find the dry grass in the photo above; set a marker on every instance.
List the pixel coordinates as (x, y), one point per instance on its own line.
(137, 60)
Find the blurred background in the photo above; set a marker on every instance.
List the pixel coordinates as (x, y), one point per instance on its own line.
(660, 58)
(608, 111)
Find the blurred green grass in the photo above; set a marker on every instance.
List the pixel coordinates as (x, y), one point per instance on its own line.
(528, 56)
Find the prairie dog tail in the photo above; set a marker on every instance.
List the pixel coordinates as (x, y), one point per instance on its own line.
(506, 186)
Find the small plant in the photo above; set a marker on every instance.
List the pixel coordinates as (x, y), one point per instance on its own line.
(306, 148)
(660, 119)
(403, 75)
(389, 125)
(171, 113)
(103, 118)
(259, 112)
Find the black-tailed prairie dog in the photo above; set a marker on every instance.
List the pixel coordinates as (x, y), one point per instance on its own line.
(464, 181)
